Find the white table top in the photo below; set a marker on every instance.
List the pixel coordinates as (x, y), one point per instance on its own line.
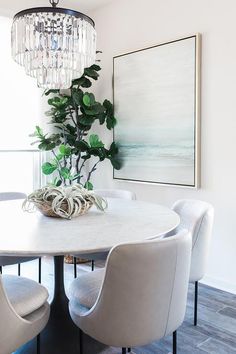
(33, 234)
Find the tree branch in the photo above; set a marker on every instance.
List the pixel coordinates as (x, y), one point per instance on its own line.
(58, 165)
(92, 170)
(71, 116)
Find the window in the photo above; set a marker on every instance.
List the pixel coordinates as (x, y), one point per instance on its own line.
(21, 110)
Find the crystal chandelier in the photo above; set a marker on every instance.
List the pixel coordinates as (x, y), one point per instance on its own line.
(53, 44)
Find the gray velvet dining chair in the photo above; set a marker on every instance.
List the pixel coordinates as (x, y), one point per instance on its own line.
(139, 297)
(105, 193)
(11, 260)
(24, 312)
(197, 217)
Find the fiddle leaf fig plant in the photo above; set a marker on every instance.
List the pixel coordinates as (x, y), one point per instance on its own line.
(72, 114)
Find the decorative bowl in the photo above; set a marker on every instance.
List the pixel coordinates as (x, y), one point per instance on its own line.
(63, 202)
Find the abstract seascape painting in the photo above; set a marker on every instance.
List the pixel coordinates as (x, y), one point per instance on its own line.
(156, 98)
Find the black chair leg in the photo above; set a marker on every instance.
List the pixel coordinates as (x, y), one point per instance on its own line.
(80, 341)
(0, 269)
(123, 350)
(19, 269)
(175, 342)
(38, 344)
(75, 267)
(195, 303)
(92, 265)
(129, 350)
(40, 270)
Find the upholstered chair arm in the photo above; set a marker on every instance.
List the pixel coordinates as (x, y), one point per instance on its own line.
(14, 329)
(201, 245)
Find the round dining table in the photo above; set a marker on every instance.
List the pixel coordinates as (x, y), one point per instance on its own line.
(33, 234)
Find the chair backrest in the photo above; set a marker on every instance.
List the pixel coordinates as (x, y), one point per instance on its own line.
(143, 296)
(116, 193)
(12, 196)
(197, 217)
(15, 330)
(12, 326)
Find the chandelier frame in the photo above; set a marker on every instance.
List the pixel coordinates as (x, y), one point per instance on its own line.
(55, 10)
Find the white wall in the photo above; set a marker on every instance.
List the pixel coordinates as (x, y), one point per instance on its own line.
(128, 25)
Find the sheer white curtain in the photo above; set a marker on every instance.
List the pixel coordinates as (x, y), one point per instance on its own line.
(21, 110)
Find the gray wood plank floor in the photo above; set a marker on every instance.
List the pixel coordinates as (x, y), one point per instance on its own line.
(215, 333)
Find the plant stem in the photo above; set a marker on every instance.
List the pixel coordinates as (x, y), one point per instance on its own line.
(77, 162)
(72, 118)
(80, 170)
(92, 170)
(76, 123)
(58, 169)
(82, 165)
(65, 140)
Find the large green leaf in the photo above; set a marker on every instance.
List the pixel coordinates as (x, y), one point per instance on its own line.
(48, 92)
(65, 172)
(37, 133)
(82, 81)
(71, 129)
(88, 99)
(99, 151)
(86, 156)
(101, 117)
(47, 146)
(59, 157)
(54, 137)
(56, 182)
(65, 150)
(94, 110)
(111, 122)
(91, 73)
(86, 83)
(95, 67)
(71, 139)
(78, 97)
(95, 142)
(109, 108)
(88, 185)
(59, 183)
(48, 168)
(58, 102)
(86, 120)
(82, 145)
(116, 163)
(113, 149)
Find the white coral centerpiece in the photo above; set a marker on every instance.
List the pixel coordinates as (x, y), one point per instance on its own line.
(64, 202)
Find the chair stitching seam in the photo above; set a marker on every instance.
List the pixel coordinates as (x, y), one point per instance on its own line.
(198, 232)
(172, 288)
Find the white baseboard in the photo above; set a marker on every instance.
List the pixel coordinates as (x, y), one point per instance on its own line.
(219, 284)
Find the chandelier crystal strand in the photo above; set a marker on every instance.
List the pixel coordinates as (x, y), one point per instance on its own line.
(53, 44)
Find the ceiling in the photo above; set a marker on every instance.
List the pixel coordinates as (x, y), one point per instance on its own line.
(10, 7)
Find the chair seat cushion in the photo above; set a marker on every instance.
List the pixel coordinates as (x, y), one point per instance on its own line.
(84, 290)
(25, 295)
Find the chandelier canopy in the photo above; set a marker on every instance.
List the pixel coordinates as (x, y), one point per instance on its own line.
(53, 44)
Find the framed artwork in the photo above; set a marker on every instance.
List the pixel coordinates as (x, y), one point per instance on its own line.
(157, 102)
